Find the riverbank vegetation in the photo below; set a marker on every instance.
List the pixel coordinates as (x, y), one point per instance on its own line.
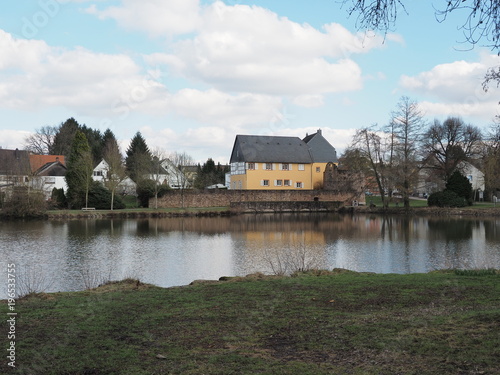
(317, 323)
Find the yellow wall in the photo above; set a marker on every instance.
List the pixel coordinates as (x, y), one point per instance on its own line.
(251, 180)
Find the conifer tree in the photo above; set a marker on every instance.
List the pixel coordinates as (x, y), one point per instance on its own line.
(138, 159)
(79, 173)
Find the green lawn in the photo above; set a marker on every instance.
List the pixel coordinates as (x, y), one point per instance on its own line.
(377, 200)
(319, 323)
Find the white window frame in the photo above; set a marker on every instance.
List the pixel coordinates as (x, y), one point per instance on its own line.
(268, 166)
(264, 183)
(251, 166)
(299, 185)
(302, 167)
(287, 183)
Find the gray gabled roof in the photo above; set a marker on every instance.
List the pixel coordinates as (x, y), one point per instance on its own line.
(321, 150)
(14, 162)
(270, 149)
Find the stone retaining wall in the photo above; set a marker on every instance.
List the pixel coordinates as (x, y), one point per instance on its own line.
(224, 198)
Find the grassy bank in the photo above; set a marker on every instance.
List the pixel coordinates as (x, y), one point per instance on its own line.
(333, 323)
(138, 212)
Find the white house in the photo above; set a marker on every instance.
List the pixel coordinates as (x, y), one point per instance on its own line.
(125, 187)
(172, 176)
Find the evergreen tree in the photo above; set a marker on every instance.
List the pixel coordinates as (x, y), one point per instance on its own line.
(95, 140)
(79, 173)
(64, 138)
(138, 159)
(460, 185)
(210, 174)
(65, 134)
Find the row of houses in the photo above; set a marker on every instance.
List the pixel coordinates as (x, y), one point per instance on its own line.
(256, 163)
(46, 172)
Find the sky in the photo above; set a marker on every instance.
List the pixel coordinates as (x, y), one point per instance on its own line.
(192, 74)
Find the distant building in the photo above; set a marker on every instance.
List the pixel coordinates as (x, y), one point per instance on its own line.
(282, 163)
(125, 187)
(43, 172)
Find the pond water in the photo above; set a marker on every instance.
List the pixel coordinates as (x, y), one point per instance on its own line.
(72, 255)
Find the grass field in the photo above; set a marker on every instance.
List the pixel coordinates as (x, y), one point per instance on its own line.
(316, 323)
(415, 203)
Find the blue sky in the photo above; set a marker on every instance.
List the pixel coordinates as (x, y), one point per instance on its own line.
(192, 74)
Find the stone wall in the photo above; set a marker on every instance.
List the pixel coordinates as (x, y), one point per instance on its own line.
(224, 198)
(287, 206)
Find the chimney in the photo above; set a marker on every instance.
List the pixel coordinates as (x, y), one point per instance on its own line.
(319, 131)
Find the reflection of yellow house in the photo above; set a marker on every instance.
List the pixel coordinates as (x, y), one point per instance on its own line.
(270, 162)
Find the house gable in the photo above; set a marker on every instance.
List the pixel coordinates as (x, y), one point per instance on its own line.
(38, 161)
(55, 168)
(321, 150)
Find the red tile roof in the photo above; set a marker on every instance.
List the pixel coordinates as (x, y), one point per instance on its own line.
(38, 161)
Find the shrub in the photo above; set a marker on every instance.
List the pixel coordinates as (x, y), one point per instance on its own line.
(460, 185)
(24, 203)
(100, 198)
(446, 198)
(146, 191)
(58, 198)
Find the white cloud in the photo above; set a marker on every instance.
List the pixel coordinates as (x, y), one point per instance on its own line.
(156, 17)
(12, 139)
(277, 57)
(309, 101)
(216, 107)
(457, 88)
(35, 75)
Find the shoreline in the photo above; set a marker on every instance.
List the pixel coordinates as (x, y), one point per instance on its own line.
(226, 212)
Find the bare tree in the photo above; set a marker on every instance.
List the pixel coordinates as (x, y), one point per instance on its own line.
(449, 144)
(482, 17)
(115, 169)
(181, 160)
(491, 160)
(406, 129)
(42, 141)
(374, 146)
(157, 173)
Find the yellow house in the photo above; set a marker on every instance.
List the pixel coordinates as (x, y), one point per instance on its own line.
(272, 162)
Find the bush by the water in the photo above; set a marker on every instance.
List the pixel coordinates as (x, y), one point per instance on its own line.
(100, 198)
(460, 185)
(24, 202)
(58, 198)
(446, 198)
(146, 191)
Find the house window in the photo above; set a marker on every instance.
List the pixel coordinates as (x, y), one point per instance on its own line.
(318, 169)
(251, 166)
(285, 167)
(269, 166)
(287, 183)
(298, 185)
(98, 173)
(265, 182)
(279, 182)
(301, 167)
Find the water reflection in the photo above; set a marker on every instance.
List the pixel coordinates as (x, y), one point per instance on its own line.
(175, 251)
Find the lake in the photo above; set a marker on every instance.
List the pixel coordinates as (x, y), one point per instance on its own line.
(72, 255)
